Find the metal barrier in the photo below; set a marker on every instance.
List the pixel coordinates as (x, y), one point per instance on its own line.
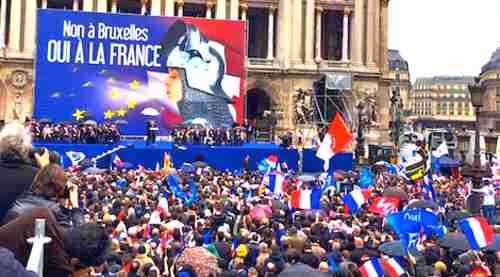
(35, 262)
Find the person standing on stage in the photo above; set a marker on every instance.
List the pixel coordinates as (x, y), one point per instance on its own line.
(247, 127)
(151, 132)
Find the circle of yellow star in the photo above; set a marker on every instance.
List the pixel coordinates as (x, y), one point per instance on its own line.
(79, 114)
(110, 80)
(121, 112)
(134, 85)
(108, 114)
(114, 94)
(131, 104)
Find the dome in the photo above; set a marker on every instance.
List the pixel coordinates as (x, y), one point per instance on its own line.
(494, 62)
(396, 61)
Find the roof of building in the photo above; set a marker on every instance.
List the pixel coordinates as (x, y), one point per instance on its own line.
(493, 63)
(428, 82)
(396, 61)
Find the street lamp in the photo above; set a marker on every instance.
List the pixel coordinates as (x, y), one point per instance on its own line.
(463, 144)
(360, 140)
(395, 123)
(476, 172)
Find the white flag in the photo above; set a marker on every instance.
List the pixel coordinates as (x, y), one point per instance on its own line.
(75, 157)
(441, 150)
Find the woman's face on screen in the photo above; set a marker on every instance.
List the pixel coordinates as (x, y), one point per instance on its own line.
(173, 85)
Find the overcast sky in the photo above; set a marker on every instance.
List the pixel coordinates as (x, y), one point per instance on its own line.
(444, 37)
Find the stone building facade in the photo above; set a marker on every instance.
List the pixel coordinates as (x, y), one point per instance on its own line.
(291, 45)
(442, 102)
(399, 74)
(490, 76)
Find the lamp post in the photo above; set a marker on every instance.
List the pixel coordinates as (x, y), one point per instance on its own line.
(360, 140)
(463, 139)
(395, 123)
(476, 173)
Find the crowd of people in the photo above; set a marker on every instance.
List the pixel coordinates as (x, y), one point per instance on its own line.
(209, 222)
(90, 133)
(235, 135)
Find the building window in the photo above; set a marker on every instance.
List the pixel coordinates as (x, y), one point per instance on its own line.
(257, 32)
(445, 108)
(194, 10)
(60, 4)
(460, 108)
(451, 109)
(467, 109)
(491, 143)
(130, 7)
(438, 109)
(331, 39)
(498, 99)
(7, 24)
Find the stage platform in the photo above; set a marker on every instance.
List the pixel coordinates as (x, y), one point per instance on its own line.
(220, 157)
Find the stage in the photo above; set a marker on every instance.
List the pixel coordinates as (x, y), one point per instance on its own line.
(220, 157)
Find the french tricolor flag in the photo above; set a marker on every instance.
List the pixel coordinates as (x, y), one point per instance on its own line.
(277, 183)
(355, 199)
(477, 231)
(371, 268)
(162, 207)
(272, 161)
(117, 161)
(394, 267)
(306, 199)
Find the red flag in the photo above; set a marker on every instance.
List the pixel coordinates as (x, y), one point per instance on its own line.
(479, 272)
(455, 173)
(384, 205)
(335, 140)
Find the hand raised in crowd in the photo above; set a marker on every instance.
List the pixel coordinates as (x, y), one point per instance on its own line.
(73, 195)
(42, 160)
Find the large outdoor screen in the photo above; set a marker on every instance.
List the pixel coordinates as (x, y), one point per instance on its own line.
(130, 69)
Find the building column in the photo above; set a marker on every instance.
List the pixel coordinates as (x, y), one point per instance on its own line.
(102, 6)
(376, 28)
(370, 34)
(284, 29)
(384, 38)
(180, 5)
(169, 8)
(3, 23)
(220, 12)
(44, 4)
(297, 32)
(114, 6)
(210, 5)
(75, 5)
(358, 33)
(309, 32)
(345, 36)
(234, 7)
(30, 27)
(15, 27)
(244, 8)
(270, 33)
(144, 7)
(319, 11)
(156, 7)
(88, 5)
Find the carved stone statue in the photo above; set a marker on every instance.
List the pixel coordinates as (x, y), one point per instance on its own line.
(302, 106)
(17, 109)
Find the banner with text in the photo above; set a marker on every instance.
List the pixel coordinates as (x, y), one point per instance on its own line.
(129, 69)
